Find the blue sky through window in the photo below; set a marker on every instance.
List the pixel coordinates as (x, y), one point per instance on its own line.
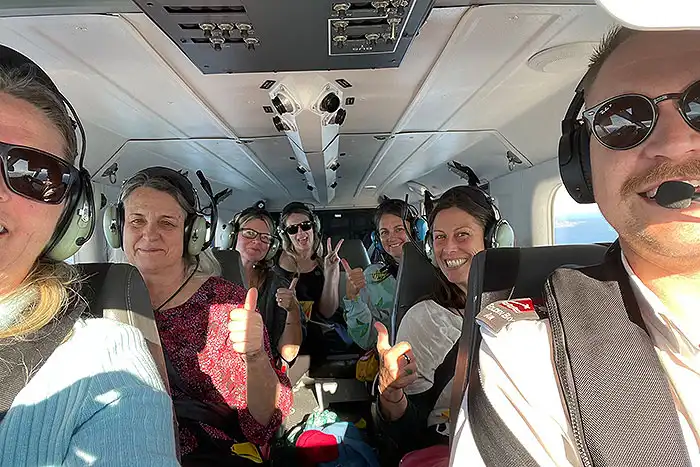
(578, 223)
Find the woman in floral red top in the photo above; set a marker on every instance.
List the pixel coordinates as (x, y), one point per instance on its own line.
(215, 341)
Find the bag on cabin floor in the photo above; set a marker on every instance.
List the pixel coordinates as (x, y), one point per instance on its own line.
(434, 456)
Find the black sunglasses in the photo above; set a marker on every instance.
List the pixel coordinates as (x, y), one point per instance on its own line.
(294, 228)
(251, 234)
(625, 121)
(35, 174)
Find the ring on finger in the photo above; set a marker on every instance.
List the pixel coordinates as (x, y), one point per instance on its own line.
(407, 359)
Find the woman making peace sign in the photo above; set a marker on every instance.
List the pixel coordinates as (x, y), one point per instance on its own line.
(302, 256)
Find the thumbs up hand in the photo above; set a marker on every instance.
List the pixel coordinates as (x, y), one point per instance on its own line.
(397, 366)
(287, 297)
(355, 280)
(246, 327)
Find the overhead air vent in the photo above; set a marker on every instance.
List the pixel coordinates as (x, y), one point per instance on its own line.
(255, 36)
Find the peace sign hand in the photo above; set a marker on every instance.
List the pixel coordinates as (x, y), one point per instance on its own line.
(332, 260)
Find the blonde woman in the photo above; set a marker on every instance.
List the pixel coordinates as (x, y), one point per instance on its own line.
(73, 391)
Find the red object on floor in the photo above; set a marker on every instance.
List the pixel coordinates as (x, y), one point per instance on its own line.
(314, 446)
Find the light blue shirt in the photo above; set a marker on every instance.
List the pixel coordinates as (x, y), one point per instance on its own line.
(374, 303)
(98, 400)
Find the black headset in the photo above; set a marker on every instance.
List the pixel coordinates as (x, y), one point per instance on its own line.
(195, 236)
(574, 151)
(291, 208)
(77, 222)
(232, 239)
(497, 234)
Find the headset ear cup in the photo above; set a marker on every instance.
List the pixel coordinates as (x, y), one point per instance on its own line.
(504, 235)
(272, 251)
(583, 137)
(75, 225)
(197, 236)
(377, 241)
(420, 229)
(111, 226)
(429, 252)
(575, 164)
(228, 241)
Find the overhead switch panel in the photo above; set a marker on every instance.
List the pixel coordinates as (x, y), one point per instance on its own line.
(253, 36)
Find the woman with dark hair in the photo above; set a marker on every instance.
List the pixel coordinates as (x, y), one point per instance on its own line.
(415, 376)
(254, 237)
(369, 294)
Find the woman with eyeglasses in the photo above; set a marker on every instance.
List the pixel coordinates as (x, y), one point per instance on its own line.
(318, 275)
(74, 390)
(253, 233)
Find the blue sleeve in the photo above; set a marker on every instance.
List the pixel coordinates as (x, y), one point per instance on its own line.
(126, 417)
(360, 323)
(134, 426)
(359, 314)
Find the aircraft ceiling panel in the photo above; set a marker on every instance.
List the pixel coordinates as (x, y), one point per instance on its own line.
(222, 161)
(112, 80)
(276, 153)
(356, 153)
(484, 151)
(394, 155)
(380, 95)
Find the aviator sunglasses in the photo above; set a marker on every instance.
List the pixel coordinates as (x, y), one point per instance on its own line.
(252, 234)
(625, 121)
(294, 228)
(35, 174)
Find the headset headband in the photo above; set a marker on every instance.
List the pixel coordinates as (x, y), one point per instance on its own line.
(178, 180)
(296, 206)
(10, 58)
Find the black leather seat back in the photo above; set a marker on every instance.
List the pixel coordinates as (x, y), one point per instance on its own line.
(417, 279)
(506, 273)
(355, 253)
(231, 266)
(118, 292)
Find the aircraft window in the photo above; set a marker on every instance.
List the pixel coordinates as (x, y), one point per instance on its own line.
(578, 223)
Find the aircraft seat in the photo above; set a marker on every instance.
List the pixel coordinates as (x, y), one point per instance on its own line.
(355, 253)
(417, 279)
(118, 292)
(509, 273)
(231, 266)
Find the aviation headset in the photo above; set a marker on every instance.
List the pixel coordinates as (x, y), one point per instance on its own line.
(497, 234)
(195, 237)
(297, 207)
(574, 151)
(256, 212)
(418, 227)
(77, 222)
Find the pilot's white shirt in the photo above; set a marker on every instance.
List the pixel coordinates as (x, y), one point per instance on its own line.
(518, 376)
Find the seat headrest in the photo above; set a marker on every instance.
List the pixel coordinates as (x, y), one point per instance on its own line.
(417, 279)
(231, 266)
(355, 253)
